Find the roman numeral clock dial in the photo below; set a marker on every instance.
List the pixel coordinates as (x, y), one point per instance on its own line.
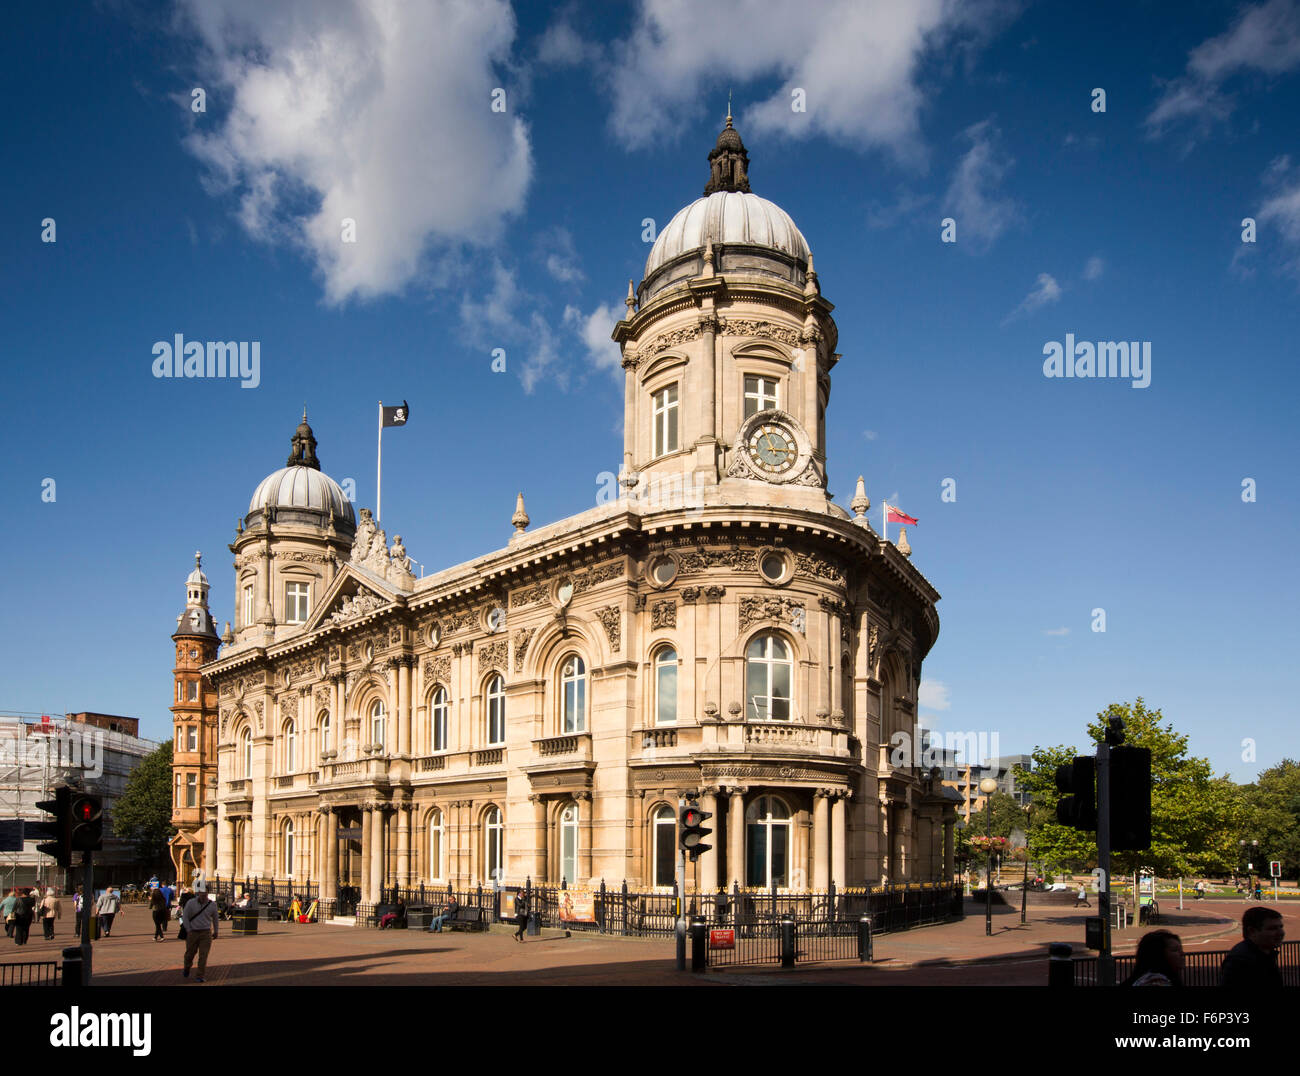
(773, 448)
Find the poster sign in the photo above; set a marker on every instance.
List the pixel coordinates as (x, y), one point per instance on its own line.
(577, 906)
(508, 905)
(722, 939)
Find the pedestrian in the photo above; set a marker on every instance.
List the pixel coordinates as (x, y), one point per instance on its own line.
(1253, 960)
(199, 921)
(106, 909)
(158, 908)
(51, 909)
(1200, 889)
(521, 914)
(23, 917)
(76, 909)
(1159, 960)
(1081, 901)
(9, 909)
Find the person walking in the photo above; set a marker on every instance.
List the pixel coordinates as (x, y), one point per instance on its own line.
(1159, 960)
(106, 909)
(51, 909)
(23, 917)
(521, 914)
(158, 909)
(1081, 899)
(1253, 960)
(9, 910)
(199, 920)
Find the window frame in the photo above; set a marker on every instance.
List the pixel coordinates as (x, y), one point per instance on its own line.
(769, 663)
(248, 605)
(494, 825)
(437, 832)
(659, 664)
(494, 710)
(567, 830)
(298, 602)
(665, 420)
(439, 719)
(378, 722)
(758, 396)
(573, 720)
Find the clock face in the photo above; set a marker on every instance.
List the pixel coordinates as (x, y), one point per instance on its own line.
(773, 448)
(194, 652)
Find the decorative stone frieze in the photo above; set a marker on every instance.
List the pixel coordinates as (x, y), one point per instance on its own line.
(611, 617)
(784, 610)
(523, 637)
(493, 656)
(663, 615)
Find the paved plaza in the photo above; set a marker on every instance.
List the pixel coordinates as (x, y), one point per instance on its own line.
(323, 954)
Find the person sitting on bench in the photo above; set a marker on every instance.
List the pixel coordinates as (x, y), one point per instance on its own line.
(396, 918)
(448, 912)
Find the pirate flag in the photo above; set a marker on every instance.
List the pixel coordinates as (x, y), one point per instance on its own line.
(396, 416)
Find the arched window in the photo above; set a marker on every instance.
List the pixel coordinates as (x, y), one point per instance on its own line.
(290, 747)
(288, 849)
(666, 686)
(438, 712)
(767, 844)
(769, 672)
(378, 722)
(569, 843)
(435, 846)
(325, 732)
(492, 844)
(246, 752)
(665, 845)
(573, 694)
(496, 710)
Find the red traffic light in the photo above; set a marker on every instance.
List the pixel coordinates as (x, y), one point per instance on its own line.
(85, 811)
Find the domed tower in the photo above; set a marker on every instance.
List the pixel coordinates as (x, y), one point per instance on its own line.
(728, 347)
(299, 527)
(194, 715)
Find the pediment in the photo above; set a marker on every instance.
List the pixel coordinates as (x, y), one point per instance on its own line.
(354, 594)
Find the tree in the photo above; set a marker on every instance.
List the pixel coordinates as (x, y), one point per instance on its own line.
(1195, 816)
(143, 813)
(1273, 817)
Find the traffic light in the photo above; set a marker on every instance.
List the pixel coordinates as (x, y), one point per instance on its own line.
(87, 833)
(692, 831)
(1077, 782)
(1130, 799)
(58, 831)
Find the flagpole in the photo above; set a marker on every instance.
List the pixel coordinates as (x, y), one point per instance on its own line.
(379, 466)
(884, 521)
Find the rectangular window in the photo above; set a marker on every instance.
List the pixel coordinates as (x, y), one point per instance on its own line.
(760, 394)
(666, 693)
(191, 790)
(248, 605)
(665, 420)
(295, 603)
(192, 738)
(194, 691)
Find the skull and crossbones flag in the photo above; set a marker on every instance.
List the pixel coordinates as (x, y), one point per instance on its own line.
(396, 416)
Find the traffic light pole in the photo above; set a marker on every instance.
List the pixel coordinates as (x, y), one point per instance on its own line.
(1105, 961)
(87, 910)
(681, 898)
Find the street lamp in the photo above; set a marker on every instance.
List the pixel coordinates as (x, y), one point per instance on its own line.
(988, 786)
(1024, 885)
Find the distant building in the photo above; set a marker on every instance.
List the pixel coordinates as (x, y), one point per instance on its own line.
(39, 754)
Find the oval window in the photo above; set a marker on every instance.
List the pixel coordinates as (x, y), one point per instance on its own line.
(664, 571)
(773, 567)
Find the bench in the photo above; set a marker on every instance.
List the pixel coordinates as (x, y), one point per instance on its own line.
(466, 919)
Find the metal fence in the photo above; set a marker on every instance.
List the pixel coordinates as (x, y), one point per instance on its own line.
(814, 942)
(1199, 968)
(34, 973)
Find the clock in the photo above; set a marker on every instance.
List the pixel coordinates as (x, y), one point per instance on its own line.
(194, 652)
(772, 447)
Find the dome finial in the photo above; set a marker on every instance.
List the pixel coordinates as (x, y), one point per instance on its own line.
(198, 559)
(728, 161)
(303, 444)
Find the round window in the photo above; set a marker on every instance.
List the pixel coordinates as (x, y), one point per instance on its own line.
(773, 567)
(324, 667)
(370, 651)
(564, 593)
(433, 634)
(663, 571)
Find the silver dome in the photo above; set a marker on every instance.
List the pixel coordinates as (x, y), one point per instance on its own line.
(727, 217)
(302, 487)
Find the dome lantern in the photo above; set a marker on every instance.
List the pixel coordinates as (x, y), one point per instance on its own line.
(728, 162)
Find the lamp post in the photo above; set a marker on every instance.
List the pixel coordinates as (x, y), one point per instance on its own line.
(988, 786)
(1024, 885)
(1249, 853)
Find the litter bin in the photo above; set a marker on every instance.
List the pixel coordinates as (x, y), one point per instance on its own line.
(243, 920)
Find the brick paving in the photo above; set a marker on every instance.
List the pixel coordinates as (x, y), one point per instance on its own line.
(322, 954)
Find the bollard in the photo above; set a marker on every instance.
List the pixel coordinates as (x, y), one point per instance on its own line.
(864, 939)
(72, 966)
(1060, 965)
(534, 925)
(787, 941)
(699, 946)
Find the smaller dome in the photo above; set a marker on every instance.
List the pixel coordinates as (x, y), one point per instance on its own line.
(196, 577)
(729, 138)
(724, 218)
(302, 487)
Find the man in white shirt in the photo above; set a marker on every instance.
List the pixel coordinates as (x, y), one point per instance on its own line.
(106, 909)
(200, 922)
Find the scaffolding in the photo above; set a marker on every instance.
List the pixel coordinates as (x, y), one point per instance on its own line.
(37, 754)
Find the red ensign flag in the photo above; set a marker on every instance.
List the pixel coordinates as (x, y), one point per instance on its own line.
(895, 516)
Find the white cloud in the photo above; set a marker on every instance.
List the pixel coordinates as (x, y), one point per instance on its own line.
(1281, 209)
(870, 435)
(1057, 631)
(1094, 268)
(857, 61)
(364, 109)
(1045, 291)
(933, 695)
(972, 199)
(907, 206)
(594, 331)
(560, 256)
(1264, 39)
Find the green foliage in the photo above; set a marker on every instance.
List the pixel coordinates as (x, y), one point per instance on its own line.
(143, 814)
(1272, 817)
(1196, 818)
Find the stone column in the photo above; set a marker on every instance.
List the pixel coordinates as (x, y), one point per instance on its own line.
(226, 865)
(337, 721)
(709, 860)
(586, 807)
(539, 839)
(948, 865)
(330, 874)
(706, 419)
(210, 856)
(839, 840)
(377, 861)
(403, 821)
(404, 729)
(821, 866)
(367, 840)
(629, 412)
(736, 835)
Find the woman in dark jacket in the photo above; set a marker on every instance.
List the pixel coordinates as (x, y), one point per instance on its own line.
(158, 907)
(26, 912)
(521, 914)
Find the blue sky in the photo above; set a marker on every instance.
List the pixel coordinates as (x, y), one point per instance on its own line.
(520, 229)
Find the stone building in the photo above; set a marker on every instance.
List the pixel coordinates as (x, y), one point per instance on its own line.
(717, 629)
